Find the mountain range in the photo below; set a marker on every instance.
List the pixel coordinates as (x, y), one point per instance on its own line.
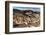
(24, 11)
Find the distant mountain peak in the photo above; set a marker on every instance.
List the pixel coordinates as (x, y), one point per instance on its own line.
(23, 11)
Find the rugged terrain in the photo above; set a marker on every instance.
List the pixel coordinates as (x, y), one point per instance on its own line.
(26, 18)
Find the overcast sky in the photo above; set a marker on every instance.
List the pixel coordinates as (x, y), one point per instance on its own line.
(27, 8)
